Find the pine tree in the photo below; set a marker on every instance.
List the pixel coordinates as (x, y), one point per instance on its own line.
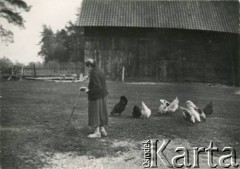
(10, 10)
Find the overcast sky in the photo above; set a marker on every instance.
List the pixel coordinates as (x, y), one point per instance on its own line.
(54, 13)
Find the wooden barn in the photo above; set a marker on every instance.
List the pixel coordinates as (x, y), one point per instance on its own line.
(167, 41)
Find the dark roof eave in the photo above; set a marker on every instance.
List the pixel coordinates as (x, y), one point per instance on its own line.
(111, 26)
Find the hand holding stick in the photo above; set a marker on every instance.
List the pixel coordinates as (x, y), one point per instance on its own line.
(83, 89)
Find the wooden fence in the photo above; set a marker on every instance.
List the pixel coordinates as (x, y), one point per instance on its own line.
(42, 72)
(48, 72)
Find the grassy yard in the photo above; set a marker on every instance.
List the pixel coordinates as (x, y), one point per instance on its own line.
(34, 116)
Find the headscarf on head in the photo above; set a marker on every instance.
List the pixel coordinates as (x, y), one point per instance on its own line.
(90, 62)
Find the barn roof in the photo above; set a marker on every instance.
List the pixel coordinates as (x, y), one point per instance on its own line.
(209, 15)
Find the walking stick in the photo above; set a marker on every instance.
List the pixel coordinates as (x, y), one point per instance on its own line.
(74, 107)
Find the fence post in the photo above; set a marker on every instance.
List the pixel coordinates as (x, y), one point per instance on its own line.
(123, 74)
(21, 73)
(34, 70)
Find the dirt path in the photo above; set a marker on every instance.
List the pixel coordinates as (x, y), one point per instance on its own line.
(132, 159)
(120, 160)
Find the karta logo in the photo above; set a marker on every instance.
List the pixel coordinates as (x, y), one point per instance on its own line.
(154, 153)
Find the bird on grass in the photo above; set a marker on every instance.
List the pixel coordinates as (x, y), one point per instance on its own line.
(188, 115)
(136, 112)
(173, 106)
(167, 107)
(208, 109)
(146, 112)
(120, 106)
(191, 106)
(163, 106)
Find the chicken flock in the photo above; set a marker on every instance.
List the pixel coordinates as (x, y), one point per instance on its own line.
(190, 112)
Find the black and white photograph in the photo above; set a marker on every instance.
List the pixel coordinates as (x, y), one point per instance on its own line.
(117, 84)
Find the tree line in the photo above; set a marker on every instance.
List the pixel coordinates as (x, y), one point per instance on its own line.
(62, 46)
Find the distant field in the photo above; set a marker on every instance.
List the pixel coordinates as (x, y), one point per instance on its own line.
(34, 114)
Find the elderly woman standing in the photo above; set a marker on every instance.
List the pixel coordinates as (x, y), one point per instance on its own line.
(97, 99)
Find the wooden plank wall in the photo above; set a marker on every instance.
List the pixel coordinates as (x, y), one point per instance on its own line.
(168, 57)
